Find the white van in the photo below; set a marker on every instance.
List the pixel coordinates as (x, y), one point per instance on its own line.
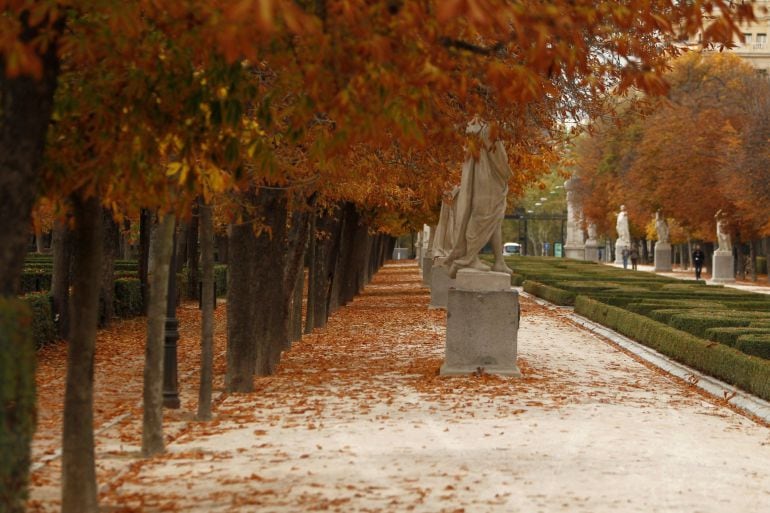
(511, 248)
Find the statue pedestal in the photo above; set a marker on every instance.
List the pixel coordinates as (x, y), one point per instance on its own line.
(663, 256)
(620, 245)
(577, 252)
(440, 283)
(427, 268)
(592, 251)
(482, 325)
(723, 270)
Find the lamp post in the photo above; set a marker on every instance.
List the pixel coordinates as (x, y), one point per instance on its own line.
(170, 389)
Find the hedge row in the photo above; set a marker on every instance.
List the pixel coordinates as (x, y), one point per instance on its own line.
(36, 276)
(17, 402)
(552, 294)
(127, 302)
(726, 363)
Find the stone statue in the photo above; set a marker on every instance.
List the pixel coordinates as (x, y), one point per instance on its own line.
(661, 226)
(444, 240)
(723, 233)
(481, 205)
(575, 237)
(592, 231)
(624, 234)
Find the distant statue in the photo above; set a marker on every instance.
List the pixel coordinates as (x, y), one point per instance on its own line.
(661, 226)
(444, 240)
(723, 233)
(481, 205)
(592, 231)
(624, 234)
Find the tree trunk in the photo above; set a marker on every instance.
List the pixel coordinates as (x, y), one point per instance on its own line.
(271, 290)
(207, 314)
(61, 245)
(645, 253)
(296, 306)
(145, 223)
(25, 111)
(327, 248)
(753, 259)
(241, 340)
(741, 259)
(312, 263)
(294, 271)
(111, 242)
(342, 270)
(182, 234)
(221, 246)
(78, 463)
(161, 246)
(193, 274)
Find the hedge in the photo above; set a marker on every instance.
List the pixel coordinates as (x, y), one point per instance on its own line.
(35, 280)
(757, 344)
(552, 294)
(761, 265)
(723, 362)
(43, 325)
(128, 297)
(17, 402)
(730, 335)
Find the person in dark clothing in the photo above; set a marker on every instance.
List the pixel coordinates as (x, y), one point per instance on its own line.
(634, 256)
(697, 260)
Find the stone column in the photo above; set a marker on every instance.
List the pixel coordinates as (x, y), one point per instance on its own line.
(663, 260)
(427, 255)
(723, 270)
(440, 283)
(575, 243)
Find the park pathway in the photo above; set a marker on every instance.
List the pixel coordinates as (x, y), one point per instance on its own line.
(356, 419)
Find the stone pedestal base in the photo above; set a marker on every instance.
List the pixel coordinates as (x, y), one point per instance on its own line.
(481, 334)
(575, 252)
(619, 247)
(723, 271)
(440, 283)
(592, 252)
(663, 256)
(471, 279)
(427, 267)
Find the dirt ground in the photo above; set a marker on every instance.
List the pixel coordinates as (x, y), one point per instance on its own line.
(357, 419)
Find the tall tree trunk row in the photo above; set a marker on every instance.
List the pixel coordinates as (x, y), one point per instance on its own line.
(161, 247)
(78, 461)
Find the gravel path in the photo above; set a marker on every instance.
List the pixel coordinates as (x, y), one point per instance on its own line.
(357, 419)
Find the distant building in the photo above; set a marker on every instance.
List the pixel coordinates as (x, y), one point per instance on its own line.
(755, 47)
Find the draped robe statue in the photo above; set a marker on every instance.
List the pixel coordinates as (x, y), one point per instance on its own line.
(444, 240)
(661, 226)
(480, 207)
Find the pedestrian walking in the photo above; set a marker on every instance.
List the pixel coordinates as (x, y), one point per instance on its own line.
(697, 260)
(624, 256)
(634, 255)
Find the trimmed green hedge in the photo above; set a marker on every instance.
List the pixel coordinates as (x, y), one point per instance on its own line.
(128, 297)
(757, 344)
(43, 326)
(35, 280)
(723, 362)
(552, 294)
(761, 265)
(17, 402)
(729, 336)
